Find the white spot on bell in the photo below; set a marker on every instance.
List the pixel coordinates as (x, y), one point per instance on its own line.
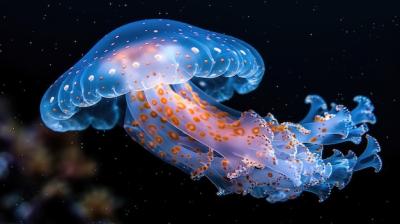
(158, 57)
(136, 64)
(51, 99)
(217, 49)
(91, 78)
(195, 50)
(66, 87)
(243, 52)
(111, 71)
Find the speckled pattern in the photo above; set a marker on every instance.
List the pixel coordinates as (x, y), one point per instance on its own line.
(336, 49)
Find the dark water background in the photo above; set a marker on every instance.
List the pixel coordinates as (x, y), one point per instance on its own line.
(331, 48)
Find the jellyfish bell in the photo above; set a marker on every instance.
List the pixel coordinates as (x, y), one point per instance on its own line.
(139, 56)
(170, 78)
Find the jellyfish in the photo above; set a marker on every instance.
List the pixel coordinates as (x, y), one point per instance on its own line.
(164, 81)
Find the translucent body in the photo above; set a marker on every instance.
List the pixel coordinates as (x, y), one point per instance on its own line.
(139, 56)
(173, 76)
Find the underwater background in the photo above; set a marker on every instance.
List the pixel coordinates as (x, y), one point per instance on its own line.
(336, 49)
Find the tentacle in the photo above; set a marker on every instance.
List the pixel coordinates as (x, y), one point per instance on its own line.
(370, 158)
(248, 154)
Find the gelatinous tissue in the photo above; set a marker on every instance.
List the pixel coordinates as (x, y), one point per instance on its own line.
(165, 80)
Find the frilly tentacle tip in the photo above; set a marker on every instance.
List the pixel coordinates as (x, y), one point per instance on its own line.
(370, 157)
(316, 100)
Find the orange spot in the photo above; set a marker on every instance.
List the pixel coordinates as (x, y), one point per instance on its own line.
(221, 114)
(191, 111)
(140, 96)
(196, 119)
(159, 139)
(163, 119)
(183, 93)
(181, 106)
(238, 131)
(202, 134)
(256, 130)
(191, 127)
(173, 135)
(203, 102)
(221, 124)
(175, 121)
(135, 123)
(318, 119)
(204, 116)
(153, 114)
(154, 102)
(151, 144)
(236, 124)
(313, 139)
(218, 138)
(224, 164)
(164, 100)
(152, 129)
(162, 154)
(269, 174)
(143, 117)
(279, 128)
(168, 111)
(160, 92)
(146, 105)
(175, 150)
(141, 135)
